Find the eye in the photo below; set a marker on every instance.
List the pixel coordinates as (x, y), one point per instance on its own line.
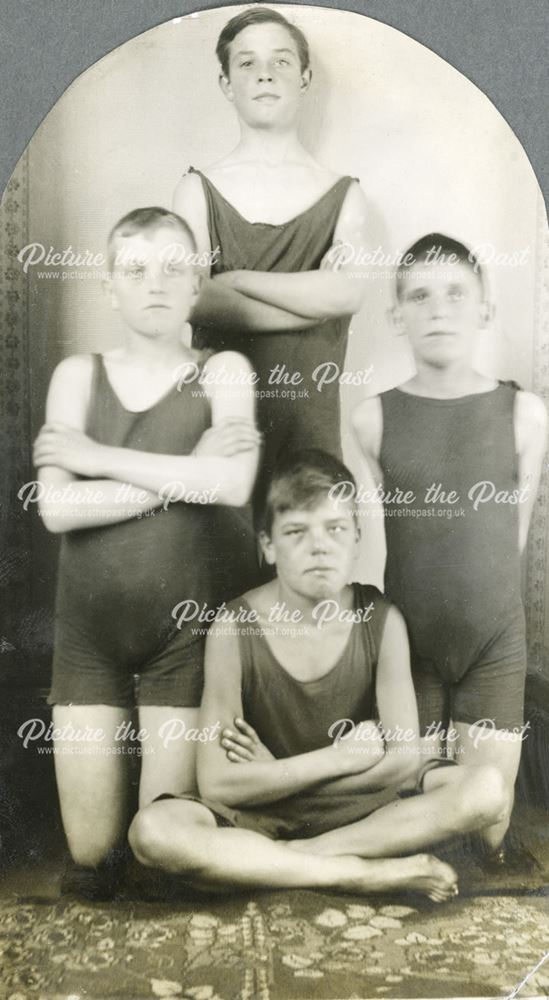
(245, 63)
(294, 531)
(282, 62)
(136, 272)
(455, 294)
(419, 296)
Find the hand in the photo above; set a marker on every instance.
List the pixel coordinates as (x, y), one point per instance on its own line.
(361, 748)
(229, 438)
(70, 449)
(243, 744)
(335, 257)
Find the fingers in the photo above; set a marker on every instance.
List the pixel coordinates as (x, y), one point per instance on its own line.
(237, 744)
(246, 729)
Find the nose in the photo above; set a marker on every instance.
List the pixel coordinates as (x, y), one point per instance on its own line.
(319, 540)
(439, 305)
(265, 73)
(155, 280)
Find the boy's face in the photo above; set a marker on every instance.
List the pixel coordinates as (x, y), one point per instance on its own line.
(441, 309)
(313, 549)
(152, 284)
(265, 80)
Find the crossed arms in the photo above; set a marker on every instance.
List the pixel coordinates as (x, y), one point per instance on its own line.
(268, 301)
(224, 461)
(230, 777)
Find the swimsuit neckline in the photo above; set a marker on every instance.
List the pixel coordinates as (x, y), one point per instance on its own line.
(149, 409)
(270, 225)
(313, 680)
(451, 400)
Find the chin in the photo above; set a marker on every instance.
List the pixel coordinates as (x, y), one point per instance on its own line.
(321, 590)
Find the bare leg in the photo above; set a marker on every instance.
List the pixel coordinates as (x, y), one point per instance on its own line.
(182, 837)
(481, 746)
(456, 800)
(168, 763)
(92, 782)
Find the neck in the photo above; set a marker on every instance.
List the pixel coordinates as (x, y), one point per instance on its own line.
(455, 379)
(163, 351)
(294, 602)
(269, 147)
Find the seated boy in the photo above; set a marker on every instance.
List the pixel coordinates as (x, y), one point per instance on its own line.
(302, 790)
(467, 451)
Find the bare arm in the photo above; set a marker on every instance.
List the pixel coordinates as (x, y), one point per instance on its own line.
(218, 478)
(326, 293)
(66, 502)
(397, 707)
(367, 422)
(219, 305)
(531, 443)
(258, 781)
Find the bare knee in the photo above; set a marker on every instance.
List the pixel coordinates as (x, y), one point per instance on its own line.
(158, 841)
(90, 853)
(485, 796)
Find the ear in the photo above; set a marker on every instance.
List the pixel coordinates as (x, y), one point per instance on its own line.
(226, 88)
(487, 312)
(306, 78)
(109, 292)
(267, 548)
(396, 319)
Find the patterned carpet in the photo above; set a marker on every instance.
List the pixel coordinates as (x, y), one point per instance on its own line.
(297, 945)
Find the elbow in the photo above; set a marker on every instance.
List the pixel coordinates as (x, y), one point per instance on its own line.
(237, 495)
(214, 789)
(53, 522)
(351, 299)
(346, 303)
(237, 490)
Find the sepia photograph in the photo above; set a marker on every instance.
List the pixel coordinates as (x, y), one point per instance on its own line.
(274, 286)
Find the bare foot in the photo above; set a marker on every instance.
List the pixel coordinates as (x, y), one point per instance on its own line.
(420, 873)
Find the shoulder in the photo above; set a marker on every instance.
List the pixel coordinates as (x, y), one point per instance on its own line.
(228, 361)
(367, 422)
(228, 380)
(354, 208)
(530, 409)
(188, 196)
(530, 418)
(394, 635)
(75, 371)
(70, 388)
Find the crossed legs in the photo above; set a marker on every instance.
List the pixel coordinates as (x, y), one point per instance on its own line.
(180, 836)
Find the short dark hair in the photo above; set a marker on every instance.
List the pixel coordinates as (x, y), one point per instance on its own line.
(437, 246)
(142, 220)
(259, 15)
(300, 481)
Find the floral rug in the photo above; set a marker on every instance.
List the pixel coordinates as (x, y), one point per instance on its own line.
(276, 947)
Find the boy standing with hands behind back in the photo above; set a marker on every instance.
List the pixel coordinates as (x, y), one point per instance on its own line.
(469, 450)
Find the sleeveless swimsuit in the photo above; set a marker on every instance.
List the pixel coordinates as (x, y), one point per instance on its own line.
(118, 584)
(293, 717)
(289, 416)
(453, 570)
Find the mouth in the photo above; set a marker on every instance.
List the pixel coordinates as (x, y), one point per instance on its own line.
(157, 305)
(441, 333)
(320, 569)
(268, 98)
